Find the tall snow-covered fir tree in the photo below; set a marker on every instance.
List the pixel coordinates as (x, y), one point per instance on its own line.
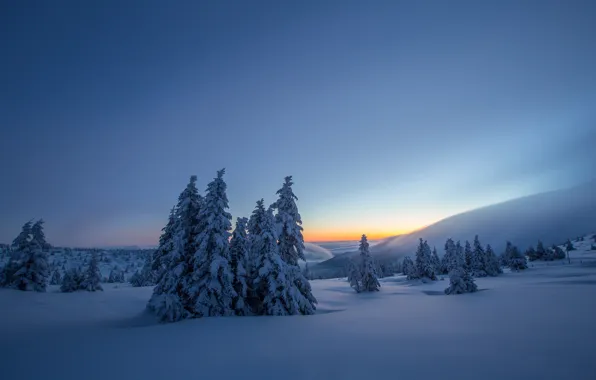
(291, 241)
(478, 262)
(239, 252)
(460, 280)
(92, 282)
(170, 300)
(436, 261)
(166, 245)
(33, 270)
(424, 265)
(274, 289)
(450, 260)
(19, 245)
(211, 287)
(468, 256)
(540, 251)
(38, 236)
(409, 269)
(369, 281)
(354, 275)
(493, 266)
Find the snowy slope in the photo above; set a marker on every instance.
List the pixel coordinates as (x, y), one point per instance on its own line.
(531, 325)
(552, 217)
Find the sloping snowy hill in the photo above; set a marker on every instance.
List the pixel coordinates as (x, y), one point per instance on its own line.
(552, 217)
(531, 325)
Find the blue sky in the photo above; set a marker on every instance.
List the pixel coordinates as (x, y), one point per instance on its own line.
(390, 115)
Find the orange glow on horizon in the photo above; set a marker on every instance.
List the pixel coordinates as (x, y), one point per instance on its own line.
(330, 235)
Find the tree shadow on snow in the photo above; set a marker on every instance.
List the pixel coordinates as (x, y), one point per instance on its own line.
(442, 293)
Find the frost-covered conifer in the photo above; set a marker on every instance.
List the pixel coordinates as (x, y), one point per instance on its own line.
(460, 282)
(370, 282)
(515, 260)
(291, 241)
(211, 289)
(92, 275)
(409, 269)
(541, 253)
(451, 257)
(38, 236)
(478, 262)
(436, 261)
(468, 256)
(166, 245)
(33, 270)
(277, 294)
(170, 300)
(72, 280)
(239, 252)
(424, 265)
(531, 254)
(493, 267)
(56, 278)
(354, 275)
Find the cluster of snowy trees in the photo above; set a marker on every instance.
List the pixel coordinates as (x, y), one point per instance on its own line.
(362, 274)
(547, 254)
(203, 269)
(75, 279)
(27, 267)
(147, 276)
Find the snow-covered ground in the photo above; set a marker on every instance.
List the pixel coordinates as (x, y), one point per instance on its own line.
(538, 324)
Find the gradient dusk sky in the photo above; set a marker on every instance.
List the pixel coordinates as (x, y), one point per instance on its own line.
(390, 115)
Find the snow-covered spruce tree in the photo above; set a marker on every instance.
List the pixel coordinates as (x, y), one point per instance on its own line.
(460, 282)
(436, 261)
(354, 275)
(166, 245)
(531, 253)
(72, 280)
(493, 266)
(424, 265)
(540, 251)
(468, 256)
(255, 222)
(170, 301)
(211, 289)
(409, 269)
(516, 261)
(92, 282)
(291, 241)
(370, 282)
(33, 270)
(277, 293)
(478, 262)
(19, 244)
(56, 278)
(450, 260)
(38, 236)
(239, 248)
(147, 276)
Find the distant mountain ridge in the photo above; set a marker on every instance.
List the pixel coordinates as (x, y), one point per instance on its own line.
(551, 217)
